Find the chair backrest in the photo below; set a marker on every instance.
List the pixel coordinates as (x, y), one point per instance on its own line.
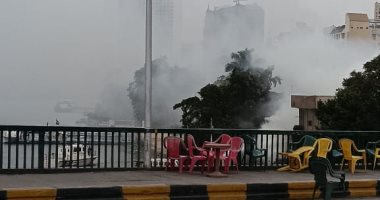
(346, 146)
(236, 146)
(223, 139)
(324, 146)
(191, 145)
(249, 143)
(308, 140)
(319, 167)
(172, 145)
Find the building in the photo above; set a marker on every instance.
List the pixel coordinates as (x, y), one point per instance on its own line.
(358, 27)
(166, 22)
(377, 11)
(233, 28)
(307, 106)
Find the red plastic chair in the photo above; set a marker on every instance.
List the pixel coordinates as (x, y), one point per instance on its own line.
(173, 146)
(222, 139)
(236, 146)
(195, 153)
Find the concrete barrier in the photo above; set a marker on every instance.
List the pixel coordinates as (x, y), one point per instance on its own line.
(225, 191)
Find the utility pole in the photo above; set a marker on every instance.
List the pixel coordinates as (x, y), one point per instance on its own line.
(148, 79)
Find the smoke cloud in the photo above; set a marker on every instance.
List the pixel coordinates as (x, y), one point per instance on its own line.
(87, 52)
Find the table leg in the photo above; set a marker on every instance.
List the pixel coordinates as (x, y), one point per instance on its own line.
(217, 172)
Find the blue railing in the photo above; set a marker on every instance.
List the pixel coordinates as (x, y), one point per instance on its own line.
(29, 149)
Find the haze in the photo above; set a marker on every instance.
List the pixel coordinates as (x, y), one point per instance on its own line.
(54, 50)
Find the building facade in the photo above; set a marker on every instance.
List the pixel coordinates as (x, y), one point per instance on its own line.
(358, 27)
(307, 106)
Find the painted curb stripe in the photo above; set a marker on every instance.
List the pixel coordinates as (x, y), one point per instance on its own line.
(146, 192)
(89, 193)
(301, 190)
(362, 188)
(3, 195)
(267, 191)
(31, 193)
(227, 191)
(196, 192)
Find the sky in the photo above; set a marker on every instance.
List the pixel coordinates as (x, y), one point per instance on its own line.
(55, 50)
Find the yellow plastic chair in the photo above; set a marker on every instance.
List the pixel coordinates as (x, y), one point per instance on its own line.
(322, 146)
(298, 159)
(347, 145)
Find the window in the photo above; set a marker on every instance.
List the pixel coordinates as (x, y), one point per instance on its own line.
(309, 123)
(361, 27)
(352, 27)
(366, 27)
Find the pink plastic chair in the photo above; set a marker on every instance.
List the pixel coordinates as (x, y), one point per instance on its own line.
(236, 146)
(173, 146)
(222, 139)
(195, 153)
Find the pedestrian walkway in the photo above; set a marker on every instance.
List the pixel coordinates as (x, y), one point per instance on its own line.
(106, 179)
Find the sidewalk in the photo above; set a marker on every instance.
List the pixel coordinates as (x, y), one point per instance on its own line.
(107, 179)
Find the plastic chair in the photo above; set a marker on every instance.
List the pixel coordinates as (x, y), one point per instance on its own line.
(320, 166)
(298, 159)
(305, 140)
(373, 151)
(195, 153)
(222, 139)
(251, 150)
(336, 154)
(347, 145)
(236, 146)
(173, 146)
(322, 146)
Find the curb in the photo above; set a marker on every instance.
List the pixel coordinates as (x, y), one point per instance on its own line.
(225, 191)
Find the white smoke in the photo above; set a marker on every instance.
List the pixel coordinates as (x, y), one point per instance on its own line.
(77, 49)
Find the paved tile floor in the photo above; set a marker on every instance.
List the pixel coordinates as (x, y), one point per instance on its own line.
(99, 179)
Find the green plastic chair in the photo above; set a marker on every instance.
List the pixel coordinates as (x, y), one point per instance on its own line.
(253, 152)
(305, 140)
(320, 167)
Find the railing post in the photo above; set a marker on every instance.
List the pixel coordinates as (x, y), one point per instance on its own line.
(147, 148)
(41, 149)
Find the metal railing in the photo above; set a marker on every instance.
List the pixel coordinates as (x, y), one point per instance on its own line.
(28, 149)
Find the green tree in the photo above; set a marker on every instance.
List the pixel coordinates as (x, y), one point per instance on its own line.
(241, 99)
(356, 105)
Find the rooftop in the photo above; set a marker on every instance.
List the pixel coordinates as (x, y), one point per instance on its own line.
(359, 17)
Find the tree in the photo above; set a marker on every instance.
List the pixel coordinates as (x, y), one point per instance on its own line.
(170, 83)
(356, 105)
(241, 99)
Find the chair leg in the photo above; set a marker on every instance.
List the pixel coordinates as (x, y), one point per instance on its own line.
(374, 163)
(341, 164)
(180, 166)
(353, 165)
(192, 164)
(250, 161)
(328, 192)
(226, 165)
(203, 166)
(315, 188)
